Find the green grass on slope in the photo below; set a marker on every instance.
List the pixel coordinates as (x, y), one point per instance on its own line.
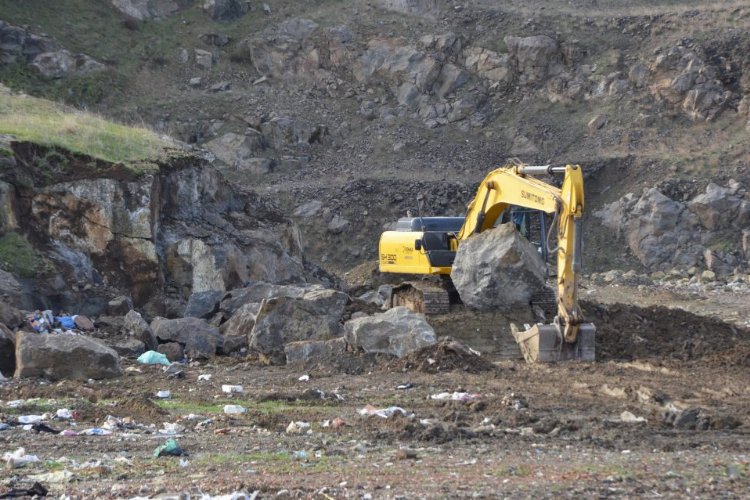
(51, 124)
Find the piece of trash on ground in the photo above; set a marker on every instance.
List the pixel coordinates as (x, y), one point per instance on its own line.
(304, 378)
(403, 387)
(297, 427)
(164, 394)
(153, 358)
(234, 409)
(169, 448)
(231, 389)
(370, 410)
(204, 377)
(19, 458)
(455, 396)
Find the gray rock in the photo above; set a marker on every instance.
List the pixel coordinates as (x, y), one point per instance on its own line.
(220, 86)
(7, 351)
(18, 43)
(172, 350)
(315, 351)
(8, 207)
(717, 208)
(451, 78)
(199, 338)
(597, 122)
(136, 326)
(204, 304)
(315, 316)
(195, 81)
(337, 225)
(58, 357)
(256, 292)
(309, 209)
(119, 306)
(204, 58)
(10, 316)
(534, 58)
(234, 344)
(242, 321)
(128, 348)
(237, 150)
(63, 63)
(146, 9)
(488, 64)
(497, 269)
(226, 10)
(13, 292)
(397, 331)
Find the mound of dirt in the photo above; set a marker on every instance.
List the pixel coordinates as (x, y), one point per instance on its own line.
(448, 354)
(626, 332)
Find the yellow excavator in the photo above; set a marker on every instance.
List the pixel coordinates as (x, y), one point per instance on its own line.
(428, 246)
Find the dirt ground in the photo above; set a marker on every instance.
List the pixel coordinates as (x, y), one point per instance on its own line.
(662, 413)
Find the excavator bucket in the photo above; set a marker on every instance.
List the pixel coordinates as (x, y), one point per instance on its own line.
(544, 343)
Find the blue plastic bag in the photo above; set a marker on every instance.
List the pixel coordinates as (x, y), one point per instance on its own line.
(153, 358)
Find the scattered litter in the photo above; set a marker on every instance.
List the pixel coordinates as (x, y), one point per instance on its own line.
(171, 429)
(19, 458)
(169, 448)
(403, 387)
(30, 419)
(4, 426)
(184, 462)
(58, 476)
(164, 394)
(153, 358)
(95, 431)
(234, 409)
(16, 403)
(40, 427)
(232, 389)
(68, 432)
(631, 418)
(133, 369)
(370, 410)
(304, 378)
(455, 396)
(300, 455)
(336, 423)
(36, 491)
(64, 414)
(298, 427)
(204, 377)
(515, 401)
(174, 370)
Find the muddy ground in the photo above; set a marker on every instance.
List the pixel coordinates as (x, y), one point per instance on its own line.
(542, 431)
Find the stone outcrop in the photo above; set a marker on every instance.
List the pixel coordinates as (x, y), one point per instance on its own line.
(534, 58)
(315, 316)
(199, 339)
(138, 328)
(178, 231)
(226, 10)
(315, 351)
(397, 331)
(497, 270)
(663, 233)
(18, 44)
(7, 351)
(146, 9)
(58, 357)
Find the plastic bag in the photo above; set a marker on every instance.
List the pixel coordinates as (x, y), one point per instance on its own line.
(153, 358)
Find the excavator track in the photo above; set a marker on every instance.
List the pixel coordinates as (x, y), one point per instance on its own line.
(421, 297)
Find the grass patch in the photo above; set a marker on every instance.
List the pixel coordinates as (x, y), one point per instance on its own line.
(50, 124)
(17, 256)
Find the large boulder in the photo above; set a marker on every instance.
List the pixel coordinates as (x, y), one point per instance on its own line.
(534, 58)
(256, 292)
(63, 63)
(717, 208)
(136, 326)
(7, 351)
(204, 304)
(497, 270)
(226, 10)
(397, 331)
(64, 357)
(242, 321)
(315, 351)
(314, 316)
(10, 316)
(199, 339)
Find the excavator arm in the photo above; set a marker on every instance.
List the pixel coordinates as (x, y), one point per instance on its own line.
(516, 186)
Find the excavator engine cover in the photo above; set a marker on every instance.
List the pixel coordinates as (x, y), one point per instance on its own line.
(544, 344)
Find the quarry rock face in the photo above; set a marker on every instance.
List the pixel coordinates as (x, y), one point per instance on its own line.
(58, 357)
(397, 331)
(198, 338)
(183, 225)
(497, 270)
(146, 9)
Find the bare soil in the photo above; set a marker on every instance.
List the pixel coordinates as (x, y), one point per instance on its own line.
(543, 430)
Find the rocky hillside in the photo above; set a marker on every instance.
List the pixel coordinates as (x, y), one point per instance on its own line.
(79, 230)
(344, 112)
